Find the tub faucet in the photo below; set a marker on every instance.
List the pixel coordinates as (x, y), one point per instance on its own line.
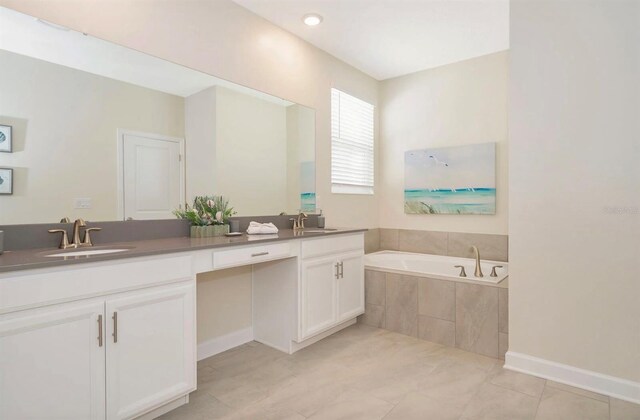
(478, 272)
(493, 271)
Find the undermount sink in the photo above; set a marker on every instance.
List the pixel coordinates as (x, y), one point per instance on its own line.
(87, 252)
(318, 230)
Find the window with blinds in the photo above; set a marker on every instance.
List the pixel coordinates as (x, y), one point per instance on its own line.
(351, 144)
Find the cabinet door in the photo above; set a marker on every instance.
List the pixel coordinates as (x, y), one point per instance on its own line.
(318, 304)
(151, 354)
(52, 363)
(351, 286)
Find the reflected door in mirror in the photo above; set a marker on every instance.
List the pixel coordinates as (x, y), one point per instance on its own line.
(153, 174)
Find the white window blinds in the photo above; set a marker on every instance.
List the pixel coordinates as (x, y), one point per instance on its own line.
(351, 144)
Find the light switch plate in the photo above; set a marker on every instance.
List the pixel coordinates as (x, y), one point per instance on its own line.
(83, 203)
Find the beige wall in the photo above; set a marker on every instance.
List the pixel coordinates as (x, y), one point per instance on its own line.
(247, 149)
(251, 153)
(224, 302)
(200, 147)
(236, 45)
(457, 104)
(574, 215)
(65, 130)
(300, 141)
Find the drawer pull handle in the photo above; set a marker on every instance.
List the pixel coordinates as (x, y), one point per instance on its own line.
(341, 269)
(337, 270)
(260, 254)
(115, 327)
(99, 330)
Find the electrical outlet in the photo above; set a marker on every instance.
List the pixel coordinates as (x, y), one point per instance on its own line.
(83, 203)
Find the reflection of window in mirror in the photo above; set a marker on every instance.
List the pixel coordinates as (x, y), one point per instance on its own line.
(352, 131)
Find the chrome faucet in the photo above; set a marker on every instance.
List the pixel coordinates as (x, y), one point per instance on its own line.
(463, 273)
(302, 216)
(75, 241)
(76, 231)
(478, 272)
(493, 271)
(299, 222)
(64, 240)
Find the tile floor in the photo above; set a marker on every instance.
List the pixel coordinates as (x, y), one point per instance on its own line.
(368, 373)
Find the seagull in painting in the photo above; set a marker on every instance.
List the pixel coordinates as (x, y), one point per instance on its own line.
(438, 162)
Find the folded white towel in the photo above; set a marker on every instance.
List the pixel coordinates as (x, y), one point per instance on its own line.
(256, 228)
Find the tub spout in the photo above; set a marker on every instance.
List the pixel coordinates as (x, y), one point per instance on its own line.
(478, 272)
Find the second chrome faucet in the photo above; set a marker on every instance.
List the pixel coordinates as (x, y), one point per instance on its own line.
(299, 222)
(75, 241)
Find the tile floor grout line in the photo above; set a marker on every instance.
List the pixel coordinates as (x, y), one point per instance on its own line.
(474, 395)
(578, 393)
(515, 390)
(535, 415)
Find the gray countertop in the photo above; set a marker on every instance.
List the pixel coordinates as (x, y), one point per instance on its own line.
(37, 258)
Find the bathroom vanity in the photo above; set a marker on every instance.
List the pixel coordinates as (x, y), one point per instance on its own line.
(110, 331)
(114, 335)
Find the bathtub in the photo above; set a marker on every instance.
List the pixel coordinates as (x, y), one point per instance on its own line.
(435, 266)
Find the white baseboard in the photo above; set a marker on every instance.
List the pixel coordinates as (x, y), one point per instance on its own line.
(165, 408)
(612, 386)
(309, 341)
(224, 342)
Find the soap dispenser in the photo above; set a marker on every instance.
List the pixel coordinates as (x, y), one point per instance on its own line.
(320, 219)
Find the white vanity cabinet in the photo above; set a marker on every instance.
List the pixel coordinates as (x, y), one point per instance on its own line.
(150, 349)
(351, 285)
(52, 364)
(319, 291)
(116, 339)
(108, 355)
(331, 283)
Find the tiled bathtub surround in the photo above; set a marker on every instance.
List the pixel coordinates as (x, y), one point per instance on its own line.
(454, 244)
(371, 241)
(468, 316)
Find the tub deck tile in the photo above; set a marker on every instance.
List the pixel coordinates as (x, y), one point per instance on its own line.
(477, 319)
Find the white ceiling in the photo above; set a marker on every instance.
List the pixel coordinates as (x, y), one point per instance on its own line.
(390, 38)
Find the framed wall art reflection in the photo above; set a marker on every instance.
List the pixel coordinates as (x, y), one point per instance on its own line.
(6, 181)
(5, 139)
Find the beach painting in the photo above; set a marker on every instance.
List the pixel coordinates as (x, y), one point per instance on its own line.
(308, 186)
(451, 180)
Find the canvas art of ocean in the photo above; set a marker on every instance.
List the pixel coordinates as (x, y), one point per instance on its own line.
(308, 201)
(451, 180)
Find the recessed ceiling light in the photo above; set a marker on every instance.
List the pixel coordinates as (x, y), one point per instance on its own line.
(312, 19)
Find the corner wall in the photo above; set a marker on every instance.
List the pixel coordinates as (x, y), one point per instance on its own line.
(574, 211)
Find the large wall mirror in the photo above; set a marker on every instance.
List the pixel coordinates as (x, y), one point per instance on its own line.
(94, 130)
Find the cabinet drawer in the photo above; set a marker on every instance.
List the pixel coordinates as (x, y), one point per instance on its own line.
(46, 286)
(251, 255)
(331, 245)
